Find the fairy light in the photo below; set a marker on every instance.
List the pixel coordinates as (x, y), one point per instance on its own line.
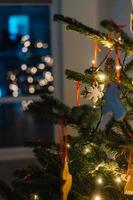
(43, 82)
(36, 197)
(13, 87)
(51, 88)
(41, 66)
(27, 43)
(101, 76)
(118, 180)
(25, 37)
(33, 70)
(39, 44)
(31, 90)
(118, 67)
(12, 77)
(93, 62)
(86, 150)
(68, 146)
(23, 67)
(30, 79)
(48, 60)
(24, 49)
(51, 79)
(97, 197)
(99, 181)
(48, 75)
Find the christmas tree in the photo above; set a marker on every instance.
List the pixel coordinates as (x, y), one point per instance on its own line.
(97, 164)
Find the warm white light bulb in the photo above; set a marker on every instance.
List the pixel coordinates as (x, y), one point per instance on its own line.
(99, 181)
(118, 180)
(97, 197)
(118, 67)
(23, 67)
(33, 70)
(101, 76)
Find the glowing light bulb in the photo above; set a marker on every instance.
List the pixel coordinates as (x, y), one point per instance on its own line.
(30, 79)
(36, 197)
(39, 44)
(23, 67)
(24, 49)
(48, 60)
(101, 76)
(97, 197)
(41, 66)
(132, 82)
(33, 70)
(99, 181)
(118, 67)
(68, 146)
(48, 75)
(93, 61)
(13, 87)
(12, 77)
(25, 37)
(43, 82)
(118, 180)
(31, 90)
(27, 43)
(51, 88)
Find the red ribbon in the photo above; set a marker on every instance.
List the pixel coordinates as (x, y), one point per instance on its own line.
(77, 85)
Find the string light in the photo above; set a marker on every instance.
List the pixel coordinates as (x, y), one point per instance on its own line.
(24, 49)
(23, 67)
(118, 180)
(33, 70)
(99, 181)
(97, 197)
(36, 197)
(101, 76)
(118, 67)
(43, 82)
(27, 43)
(41, 66)
(93, 62)
(68, 146)
(48, 60)
(25, 37)
(48, 75)
(13, 87)
(30, 79)
(39, 44)
(31, 90)
(51, 88)
(12, 77)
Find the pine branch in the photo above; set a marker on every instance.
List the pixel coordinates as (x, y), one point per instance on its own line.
(72, 75)
(126, 44)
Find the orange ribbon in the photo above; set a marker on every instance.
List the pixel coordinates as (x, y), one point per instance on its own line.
(96, 51)
(118, 67)
(77, 85)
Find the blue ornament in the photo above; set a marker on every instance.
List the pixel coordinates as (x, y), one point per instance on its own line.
(113, 106)
(113, 103)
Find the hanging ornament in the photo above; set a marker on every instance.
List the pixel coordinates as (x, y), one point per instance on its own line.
(96, 51)
(113, 106)
(77, 86)
(128, 190)
(94, 92)
(66, 177)
(131, 18)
